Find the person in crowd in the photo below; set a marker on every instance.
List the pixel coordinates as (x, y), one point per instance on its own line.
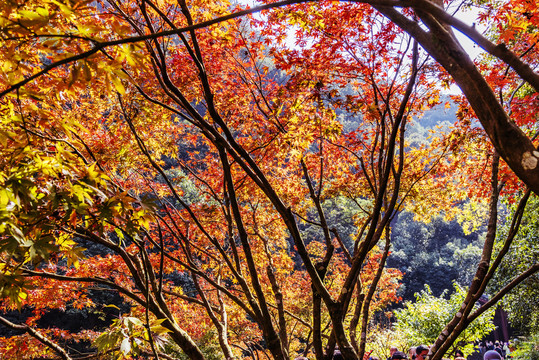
(512, 345)
(498, 348)
(337, 354)
(459, 354)
(506, 350)
(392, 351)
(492, 355)
(421, 352)
(482, 347)
(411, 353)
(399, 355)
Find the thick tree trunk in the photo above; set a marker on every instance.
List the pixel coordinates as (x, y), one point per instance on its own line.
(509, 140)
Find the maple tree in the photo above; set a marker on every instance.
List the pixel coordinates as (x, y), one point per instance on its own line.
(185, 140)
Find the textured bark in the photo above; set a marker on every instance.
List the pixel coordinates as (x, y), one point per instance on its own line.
(279, 299)
(458, 323)
(370, 294)
(317, 326)
(509, 140)
(355, 318)
(220, 325)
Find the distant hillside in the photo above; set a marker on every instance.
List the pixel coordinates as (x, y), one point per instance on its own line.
(418, 131)
(440, 115)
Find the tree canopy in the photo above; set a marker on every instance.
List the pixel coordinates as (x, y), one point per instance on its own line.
(184, 155)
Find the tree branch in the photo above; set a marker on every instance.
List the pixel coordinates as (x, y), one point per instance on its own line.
(40, 337)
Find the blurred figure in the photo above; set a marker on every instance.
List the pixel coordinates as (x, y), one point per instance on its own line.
(411, 353)
(492, 355)
(392, 351)
(337, 354)
(506, 350)
(498, 348)
(399, 355)
(421, 352)
(482, 347)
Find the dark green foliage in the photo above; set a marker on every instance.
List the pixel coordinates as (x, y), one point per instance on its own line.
(522, 303)
(340, 213)
(436, 254)
(421, 321)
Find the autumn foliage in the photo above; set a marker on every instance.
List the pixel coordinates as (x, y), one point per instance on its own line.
(180, 161)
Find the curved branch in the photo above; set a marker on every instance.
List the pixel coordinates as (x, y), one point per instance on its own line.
(40, 337)
(516, 281)
(98, 46)
(500, 51)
